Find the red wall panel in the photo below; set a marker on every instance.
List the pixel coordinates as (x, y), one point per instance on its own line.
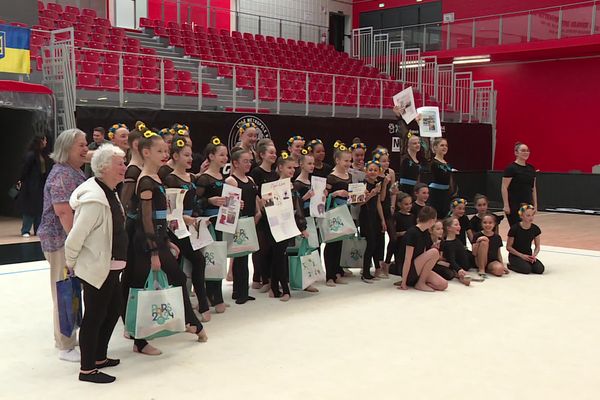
(220, 12)
(552, 106)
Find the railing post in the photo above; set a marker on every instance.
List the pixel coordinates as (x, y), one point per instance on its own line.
(306, 88)
(473, 34)
(500, 28)
(448, 37)
(299, 31)
(234, 90)
(278, 91)
(200, 97)
(358, 99)
(162, 83)
(162, 10)
(189, 14)
(259, 25)
(121, 94)
(529, 17)
(179, 11)
(256, 90)
(560, 19)
(333, 98)
(424, 38)
(380, 98)
(280, 28)
(593, 30)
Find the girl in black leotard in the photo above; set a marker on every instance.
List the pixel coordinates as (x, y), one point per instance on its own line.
(151, 243)
(209, 189)
(454, 252)
(410, 167)
(279, 268)
(486, 248)
(389, 191)
(317, 149)
(181, 154)
(241, 160)
(248, 138)
(178, 132)
(303, 187)
(337, 187)
(371, 219)
(442, 184)
(264, 173)
(295, 146)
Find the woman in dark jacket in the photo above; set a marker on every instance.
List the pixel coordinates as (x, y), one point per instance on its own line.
(36, 166)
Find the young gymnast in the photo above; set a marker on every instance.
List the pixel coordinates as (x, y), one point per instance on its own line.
(442, 184)
(295, 146)
(410, 167)
(486, 248)
(454, 252)
(317, 149)
(520, 258)
(458, 209)
(241, 160)
(337, 187)
(371, 219)
(420, 257)
(358, 150)
(481, 205)
(248, 139)
(421, 195)
(265, 172)
(387, 197)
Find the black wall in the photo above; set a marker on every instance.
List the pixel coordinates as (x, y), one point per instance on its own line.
(25, 11)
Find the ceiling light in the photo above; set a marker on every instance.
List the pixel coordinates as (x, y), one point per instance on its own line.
(471, 59)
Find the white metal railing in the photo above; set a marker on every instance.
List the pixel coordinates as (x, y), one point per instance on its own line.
(555, 22)
(463, 95)
(363, 44)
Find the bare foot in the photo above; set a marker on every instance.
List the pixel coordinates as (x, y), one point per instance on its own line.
(398, 283)
(220, 308)
(148, 350)
(330, 283)
(465, 280)
(264, 288)
(202, 336)
(256, 285)
(424, 287)
(506, 271)
(229, 277)
(285, 297)
(341, 281)
(347, 272)
(271, 294)
(205, 316)
(380, 275)
(311, 289)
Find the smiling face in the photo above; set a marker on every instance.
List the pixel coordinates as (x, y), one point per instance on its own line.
(373, 171)
(243, 163)
(343, 161)
(522, 152)
(437, 230)
(385, 162)
(78, 151)
(114, 173)
(441, 149)
(308, 164)
(120, 139)
(319, 152)
(423, 195)
(220, 157)
(454, 227)
(414, 144)
(270, 155)
(183, 158)
(459, 210)
(296, 148)
(358, 158)
(406, 205)
(488, 223)
(98, 137)
(286, 169)
(249, 138)
(527, 216)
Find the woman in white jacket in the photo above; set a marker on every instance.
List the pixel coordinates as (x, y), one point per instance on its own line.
(96, 249)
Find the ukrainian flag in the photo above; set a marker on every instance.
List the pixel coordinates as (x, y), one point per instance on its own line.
(14, 49)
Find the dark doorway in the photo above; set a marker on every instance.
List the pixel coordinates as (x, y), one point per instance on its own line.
(336, 30)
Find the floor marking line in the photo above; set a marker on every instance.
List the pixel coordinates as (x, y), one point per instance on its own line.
(21, 272)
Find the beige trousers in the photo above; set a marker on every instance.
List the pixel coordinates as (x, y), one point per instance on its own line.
(57, 264)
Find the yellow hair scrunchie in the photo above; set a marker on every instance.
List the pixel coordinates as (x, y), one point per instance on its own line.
(181, 132)
(216, 141)
(337, 144)
(285, 155)
(180, 143)
(458, 201)
(342, 147)
(148, 134)
(304, 152)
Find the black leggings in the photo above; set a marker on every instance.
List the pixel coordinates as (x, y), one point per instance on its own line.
(370, 231)
(170, 266)
(440, 200)
(390, 224)
(280, 270)
(240, 277)
(521, 266)
(198, 268)
(261, 259)
(445, 272)
(332, 255)
(102, 310)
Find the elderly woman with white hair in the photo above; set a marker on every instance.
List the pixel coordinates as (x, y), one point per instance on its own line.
(70, 151)
(96, 249)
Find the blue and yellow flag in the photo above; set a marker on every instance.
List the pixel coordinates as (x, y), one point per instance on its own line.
(14, 49)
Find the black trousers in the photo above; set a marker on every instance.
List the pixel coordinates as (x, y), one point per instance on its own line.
(280, 270)
(521, 266)
(390, 224)
(440, 200)
(261, 259)
(370, 231)
(198, 268)
(170, 266)
(102, 310)
(240, 277)
(332, 254)
(126, 275)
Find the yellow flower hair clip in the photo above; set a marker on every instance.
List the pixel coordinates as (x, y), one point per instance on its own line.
(180, 143)
(373, 162)
(304, 152)
(458, 201)
(216, 141)
(293, 139)
(285, 155)
(111, 135)
(337, 144)
(360, 145)
(181, 132)
(342, 147)
(524, 208)
(141, 127)
(245, 126)
(148, 134)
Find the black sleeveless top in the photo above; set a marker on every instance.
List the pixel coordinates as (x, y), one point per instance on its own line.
(335, 183)
(324, 171)
(189, 200)
(441, 173)
(249, 193)
(409, 169)
(131, 203)
(153, 212)
(302, 188)
(164, 171)
(369, 209)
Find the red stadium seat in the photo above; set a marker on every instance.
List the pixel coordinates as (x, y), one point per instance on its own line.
(131, 83)
(150, 62)
(130, 70)
(149, 51)
(188, 88)
(109, 82)
(91, 56)
(54, 7)
(169, 74)
(88, 12)
(206, 91)
(102, 22)
(46, 22)
(86, 81)
(130, 59)
(184, 76)
(40, 5)
(110, 69)
(150, 72)
(149, 85)
(72, 10)
(103, 30)
(90, 67)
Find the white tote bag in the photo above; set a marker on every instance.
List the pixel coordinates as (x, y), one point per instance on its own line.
(312, 269)
(337, 224)
(244, 241)
(215, 255)
(159, 312)
(353, 252)
(313, 235)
